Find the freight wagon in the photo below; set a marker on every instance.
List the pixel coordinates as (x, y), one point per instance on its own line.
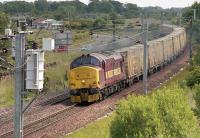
(97, 75)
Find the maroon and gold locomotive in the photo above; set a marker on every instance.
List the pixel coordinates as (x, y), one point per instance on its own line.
(96, 75)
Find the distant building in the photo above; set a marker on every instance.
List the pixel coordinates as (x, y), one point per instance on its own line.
(47, 23)
(63, 41)
(53, 24)
(39, 23)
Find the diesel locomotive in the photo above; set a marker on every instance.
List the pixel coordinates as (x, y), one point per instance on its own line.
(95, 76)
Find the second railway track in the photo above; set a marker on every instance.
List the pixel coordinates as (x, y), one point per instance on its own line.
(43, 122)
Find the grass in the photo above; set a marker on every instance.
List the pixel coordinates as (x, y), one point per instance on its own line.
(58, 75)
(6, 92)
(100, 128)
(178, 79)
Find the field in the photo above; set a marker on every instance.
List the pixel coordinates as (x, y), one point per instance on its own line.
(103, 124)
(6, 92)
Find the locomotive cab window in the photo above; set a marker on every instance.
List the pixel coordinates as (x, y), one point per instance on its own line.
(85, 60)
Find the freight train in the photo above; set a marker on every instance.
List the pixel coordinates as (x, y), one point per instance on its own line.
(95, 76)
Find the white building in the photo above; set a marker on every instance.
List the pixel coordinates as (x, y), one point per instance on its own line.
(48, 44)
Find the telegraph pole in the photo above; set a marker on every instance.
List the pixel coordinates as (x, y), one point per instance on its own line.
(145, 60)
(19, 85)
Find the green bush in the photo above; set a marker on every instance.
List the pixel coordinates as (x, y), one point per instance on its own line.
(136, 117)
(193, 77)
(163, 114)
(196, 59)
(197, 99)
(175, 114)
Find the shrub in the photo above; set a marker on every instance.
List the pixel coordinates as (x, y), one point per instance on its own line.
(197, 99)
(196, 59)
(193, 77)
(175, 114)
(163, 114)
(136, 117)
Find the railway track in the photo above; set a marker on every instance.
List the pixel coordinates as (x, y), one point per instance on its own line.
(74, 111)
(6, 118)
(43, 122)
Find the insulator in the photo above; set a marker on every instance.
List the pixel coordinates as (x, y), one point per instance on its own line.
(61, 31)
(35, 45)
(4, 50)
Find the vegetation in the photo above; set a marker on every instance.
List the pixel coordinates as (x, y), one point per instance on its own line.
(197, 99)
(166, 113)
(170, 89)
(98, 129)
(6, 92)
(193, 77)
(193, 81)
(76, 10)
(3, 22)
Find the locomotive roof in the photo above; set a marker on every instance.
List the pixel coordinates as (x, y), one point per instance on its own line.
(105, 55)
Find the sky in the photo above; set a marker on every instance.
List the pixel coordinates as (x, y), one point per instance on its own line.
(145, 3)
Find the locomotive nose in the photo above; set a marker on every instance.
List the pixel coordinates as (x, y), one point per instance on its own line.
(84, 77)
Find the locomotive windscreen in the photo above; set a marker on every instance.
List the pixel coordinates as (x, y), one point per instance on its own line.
(85, 60)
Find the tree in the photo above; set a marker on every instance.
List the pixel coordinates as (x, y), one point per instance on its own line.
(17, 7)
(136, 117)
(166, 113)
(117, 6)
(3, 22)
(131, 10)
(41, 5)
(99, 23)
(193, 77)
(175, 114)
(188, 12)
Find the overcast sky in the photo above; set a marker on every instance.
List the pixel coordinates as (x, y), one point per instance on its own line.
(144, 3)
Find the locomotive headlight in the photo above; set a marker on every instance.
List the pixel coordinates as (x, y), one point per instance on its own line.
(83, 82)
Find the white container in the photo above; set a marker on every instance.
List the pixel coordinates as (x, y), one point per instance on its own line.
(8, 32)
(35, 69)
(48, 44)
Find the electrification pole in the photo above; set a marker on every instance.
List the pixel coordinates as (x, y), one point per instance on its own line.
(180, 18)
(114, 30)
(145, 68)
(194, 14)
(142, 20)
(19, 85)
(190, 39)
(162, 17)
